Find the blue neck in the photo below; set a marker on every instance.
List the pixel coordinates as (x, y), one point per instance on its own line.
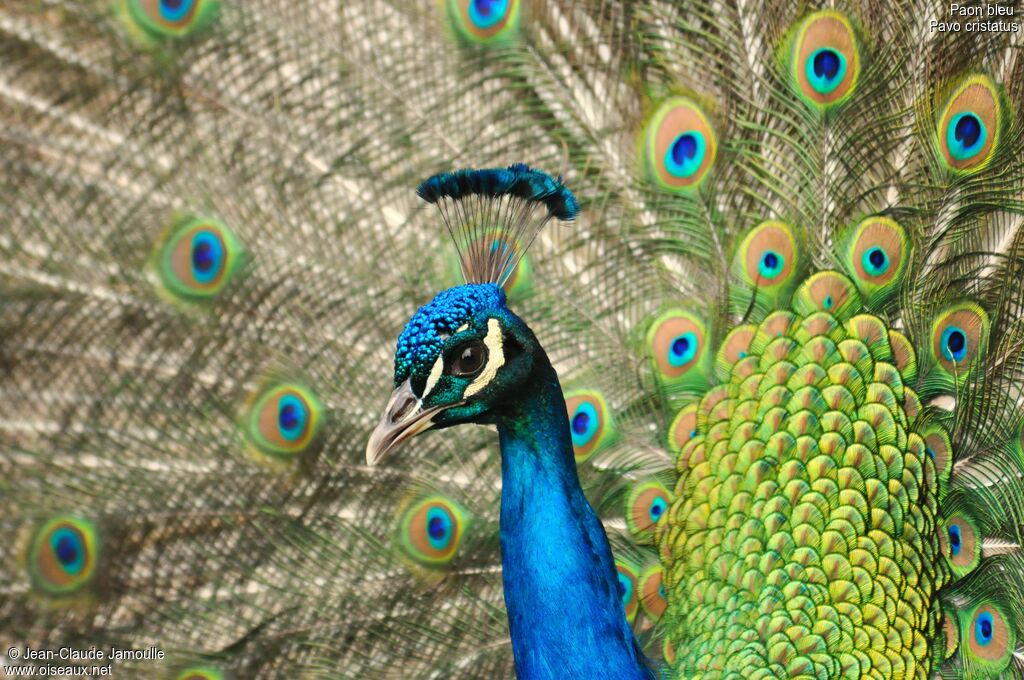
(561, 590)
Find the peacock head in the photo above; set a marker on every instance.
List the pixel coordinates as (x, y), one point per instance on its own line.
(461, 359)
(464, 356)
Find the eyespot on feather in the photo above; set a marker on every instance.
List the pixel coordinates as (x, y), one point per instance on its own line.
(646, 503)
(591, 424)
(628, 587)
(990, 639)
(652, 592)
(283, 421)
(153, 21)
(485, 22)
(824, 59)
(679, 145)
(969, 128)
(431, 529)
(677, 341)
(196, 259)
(960, 541)
(766, 266)
(958, 337)
(876, 257)
(63, 554)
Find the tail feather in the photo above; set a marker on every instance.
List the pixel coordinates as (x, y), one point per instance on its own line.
(295, 135)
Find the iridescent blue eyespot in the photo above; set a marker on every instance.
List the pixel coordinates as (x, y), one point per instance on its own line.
(646, 503)
(683, 349)
(825, 59)
(983, 629)
(485, 22)
(291, 417)
(625, 588)
(969, 128)
(436, 528)
(678, 349)
(283, 421)
(954, 539)
(954, 343)
(875, 261)
(175, 10)
(584, 424)
(439, 528)
(486, 13)
(430, 530)
(69, 550)
(63, 555)
(825, 69)
(152, 23)
(958, 337)
(965, 135)
(685, 154)
(591, 425)
(196, 258)
(202, 256)
(961, 543)
(628, 588)
(207, 256)
(657, 509)
(771, 264)
(678, 145)
(991, 639)
(876, 255)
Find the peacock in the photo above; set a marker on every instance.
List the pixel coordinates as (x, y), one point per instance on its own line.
(731, 288)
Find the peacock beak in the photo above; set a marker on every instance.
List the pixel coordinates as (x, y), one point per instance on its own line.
(404, 418)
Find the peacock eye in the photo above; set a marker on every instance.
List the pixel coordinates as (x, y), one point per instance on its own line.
(469, 358)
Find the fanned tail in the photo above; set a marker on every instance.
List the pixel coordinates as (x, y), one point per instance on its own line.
(211, 238)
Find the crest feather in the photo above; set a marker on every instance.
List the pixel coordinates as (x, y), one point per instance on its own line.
(493, 215)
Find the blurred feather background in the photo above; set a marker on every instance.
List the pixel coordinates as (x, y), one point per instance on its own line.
(133, 431)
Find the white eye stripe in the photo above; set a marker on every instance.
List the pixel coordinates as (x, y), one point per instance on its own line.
(435, 374)
(495, 359)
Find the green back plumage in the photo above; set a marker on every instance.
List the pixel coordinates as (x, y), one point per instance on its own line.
(786, 311)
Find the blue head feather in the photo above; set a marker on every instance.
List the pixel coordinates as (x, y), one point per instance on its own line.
(422, 338)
